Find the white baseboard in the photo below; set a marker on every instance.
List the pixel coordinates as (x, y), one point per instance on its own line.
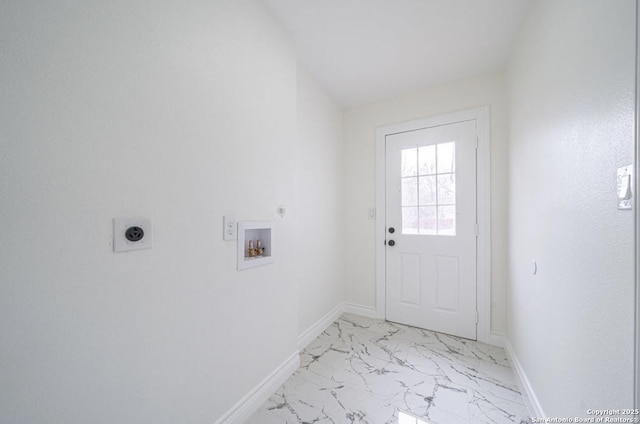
(530, 398)
(497, 339)
(316, 329)
(250, 403)
(365, 311)
(246, 406)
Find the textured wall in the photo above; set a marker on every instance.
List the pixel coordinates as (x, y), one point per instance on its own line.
(177, 111)
(319, 193)
(571, 89)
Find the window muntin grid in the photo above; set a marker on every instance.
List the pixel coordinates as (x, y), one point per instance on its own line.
(428, 190)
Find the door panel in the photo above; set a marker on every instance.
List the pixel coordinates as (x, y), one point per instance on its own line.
(410, 279)
(431, 202)
(447, 283)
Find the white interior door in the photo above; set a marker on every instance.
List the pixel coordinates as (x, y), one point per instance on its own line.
(431, 228)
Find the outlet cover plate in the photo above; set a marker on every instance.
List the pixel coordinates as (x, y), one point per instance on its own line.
(120, 226)
(230, 227)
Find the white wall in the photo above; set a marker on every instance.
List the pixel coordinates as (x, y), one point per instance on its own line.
(360, 126)
(319, 193)
(177, 111)
(571, 90)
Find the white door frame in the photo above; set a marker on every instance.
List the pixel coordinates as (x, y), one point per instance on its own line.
(483, 181)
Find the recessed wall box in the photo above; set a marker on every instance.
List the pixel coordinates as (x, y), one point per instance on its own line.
(255, 244)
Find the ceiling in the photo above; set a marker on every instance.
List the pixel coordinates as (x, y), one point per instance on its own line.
(364, 50)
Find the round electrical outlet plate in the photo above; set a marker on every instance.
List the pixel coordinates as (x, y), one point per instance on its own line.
(132, 234)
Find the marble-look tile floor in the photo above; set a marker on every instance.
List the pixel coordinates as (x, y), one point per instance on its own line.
(362, 370)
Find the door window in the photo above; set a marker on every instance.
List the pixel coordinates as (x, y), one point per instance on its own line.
(428, 186)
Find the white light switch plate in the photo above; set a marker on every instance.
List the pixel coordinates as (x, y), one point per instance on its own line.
(144, 231)
(625, 187)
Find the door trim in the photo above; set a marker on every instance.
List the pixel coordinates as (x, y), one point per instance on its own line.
(483, 181)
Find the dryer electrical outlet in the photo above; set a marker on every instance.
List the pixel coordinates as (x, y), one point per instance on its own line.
(132, 234)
